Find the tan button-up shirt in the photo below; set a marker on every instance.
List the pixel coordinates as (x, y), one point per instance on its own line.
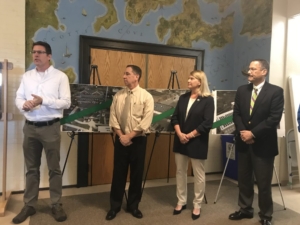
(140, 113)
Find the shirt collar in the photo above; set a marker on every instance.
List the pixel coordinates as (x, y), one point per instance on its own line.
(259, 87)
(50, 68)
(134, 90)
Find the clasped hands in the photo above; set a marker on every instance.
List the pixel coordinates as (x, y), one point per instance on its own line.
(184, 138)
(125, 140)
(247, 136)
(30, 104)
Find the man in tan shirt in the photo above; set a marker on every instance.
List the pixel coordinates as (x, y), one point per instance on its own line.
(131, 115)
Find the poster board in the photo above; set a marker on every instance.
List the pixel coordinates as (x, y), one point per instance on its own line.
(85, 97)
(224, 102)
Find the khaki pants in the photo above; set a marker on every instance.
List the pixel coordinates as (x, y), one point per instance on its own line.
(181, 179)
(35, 140)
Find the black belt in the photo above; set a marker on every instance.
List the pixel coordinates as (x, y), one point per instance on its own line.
(42, 123)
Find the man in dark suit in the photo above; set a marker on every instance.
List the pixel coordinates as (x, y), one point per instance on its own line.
(257, 112)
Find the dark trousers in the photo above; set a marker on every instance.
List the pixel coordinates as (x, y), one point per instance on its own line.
(133, 156)
(262, 168)
(35, 140)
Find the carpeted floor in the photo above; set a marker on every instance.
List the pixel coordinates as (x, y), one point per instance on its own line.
(157, 206)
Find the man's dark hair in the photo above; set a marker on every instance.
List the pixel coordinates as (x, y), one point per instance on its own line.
(45, 44)
(263, 64)
(136, 70)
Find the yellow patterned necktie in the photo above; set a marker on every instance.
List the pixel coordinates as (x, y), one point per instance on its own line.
(253, 99)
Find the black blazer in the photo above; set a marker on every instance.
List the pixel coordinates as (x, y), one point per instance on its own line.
(200, 117)
(263, 121)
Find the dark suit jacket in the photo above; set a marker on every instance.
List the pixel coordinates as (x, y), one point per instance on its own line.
(263, 122)
(200, 117)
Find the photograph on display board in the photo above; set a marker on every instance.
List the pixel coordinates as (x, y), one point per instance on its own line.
(83, 115)
(224, 102)
(164, 100)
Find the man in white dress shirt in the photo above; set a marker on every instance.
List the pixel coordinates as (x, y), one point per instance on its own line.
(43, 94)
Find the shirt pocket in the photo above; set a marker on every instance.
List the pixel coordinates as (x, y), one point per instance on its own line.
(137, 110)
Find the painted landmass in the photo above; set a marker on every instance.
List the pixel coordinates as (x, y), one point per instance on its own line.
(39, 14)
(188, 26)
(70, 73)
(136, 9)
(109, 19)
(257, 17)
(223, 4)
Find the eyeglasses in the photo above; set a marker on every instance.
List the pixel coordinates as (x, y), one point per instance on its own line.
(38, 52)
(253, 69)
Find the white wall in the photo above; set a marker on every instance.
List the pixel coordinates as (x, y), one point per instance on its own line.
(12, 47)
(283, 63)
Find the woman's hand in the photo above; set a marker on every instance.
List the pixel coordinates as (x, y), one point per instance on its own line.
(183, 138)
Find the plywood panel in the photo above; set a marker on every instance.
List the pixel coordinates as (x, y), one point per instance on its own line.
(159, 163)
(112, 64)
(160, 67)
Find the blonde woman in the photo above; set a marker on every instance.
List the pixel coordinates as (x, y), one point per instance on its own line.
(192, 121)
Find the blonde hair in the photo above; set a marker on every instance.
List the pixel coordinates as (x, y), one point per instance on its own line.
(203, 89)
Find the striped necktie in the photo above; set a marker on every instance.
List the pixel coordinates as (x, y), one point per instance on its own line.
(253, 99)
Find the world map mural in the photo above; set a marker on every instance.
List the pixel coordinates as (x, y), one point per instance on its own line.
(232, 32)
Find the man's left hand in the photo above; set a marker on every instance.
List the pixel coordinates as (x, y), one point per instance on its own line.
(37, 99)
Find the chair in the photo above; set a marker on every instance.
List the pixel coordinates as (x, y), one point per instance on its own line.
(291, 157)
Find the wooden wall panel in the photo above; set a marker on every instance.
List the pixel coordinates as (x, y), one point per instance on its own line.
(159, 71)
(112, 64)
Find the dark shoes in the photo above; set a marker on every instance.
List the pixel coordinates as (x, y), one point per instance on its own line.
(176, 212)
(111, 214)
(58, 213)
(265, 222)
(136, 213)
(24, 214)
(194, 216)
(239, 215)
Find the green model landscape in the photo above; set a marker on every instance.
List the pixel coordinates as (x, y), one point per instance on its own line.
(188, 26)
(136, 9)
(109, 19)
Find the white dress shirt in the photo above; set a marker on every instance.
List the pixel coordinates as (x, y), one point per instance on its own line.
(52, 86)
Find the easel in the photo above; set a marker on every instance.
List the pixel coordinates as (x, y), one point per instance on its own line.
(157, 133)
(228, 158)
(94, 72)
(5, 66)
